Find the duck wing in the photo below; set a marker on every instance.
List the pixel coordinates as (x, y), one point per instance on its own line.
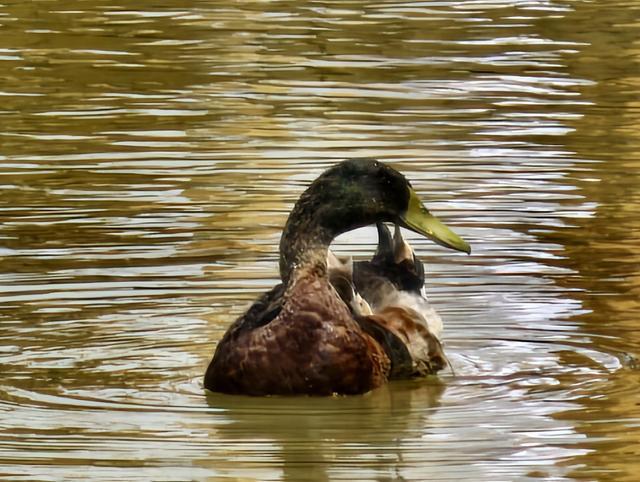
(402, 364)
(305, 342)
(262, 311)
(424, 350)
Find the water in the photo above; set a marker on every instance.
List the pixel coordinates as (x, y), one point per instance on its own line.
(149, 156)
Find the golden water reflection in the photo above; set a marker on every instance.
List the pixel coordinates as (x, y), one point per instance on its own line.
(149, 156)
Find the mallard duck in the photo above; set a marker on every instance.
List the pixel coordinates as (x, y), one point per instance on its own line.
(300, 337)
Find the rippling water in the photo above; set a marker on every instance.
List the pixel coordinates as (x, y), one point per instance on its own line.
(149, 156)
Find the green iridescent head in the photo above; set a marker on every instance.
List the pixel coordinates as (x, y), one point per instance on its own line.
(356, 193)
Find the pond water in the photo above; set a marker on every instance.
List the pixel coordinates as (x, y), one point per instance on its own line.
(149, 156)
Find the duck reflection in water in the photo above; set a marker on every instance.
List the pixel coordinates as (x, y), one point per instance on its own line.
(313, 438)
(304, 336)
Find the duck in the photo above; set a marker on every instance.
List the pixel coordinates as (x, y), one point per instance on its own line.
(300, 337)
(399, 323)
(392, 285)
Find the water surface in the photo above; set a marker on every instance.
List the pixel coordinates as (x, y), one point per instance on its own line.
(149, 156)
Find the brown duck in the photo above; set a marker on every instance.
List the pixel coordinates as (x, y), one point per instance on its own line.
(301, 337)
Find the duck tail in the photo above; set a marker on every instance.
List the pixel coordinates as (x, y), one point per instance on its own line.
(385, 243)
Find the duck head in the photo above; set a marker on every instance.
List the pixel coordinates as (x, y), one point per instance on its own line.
(352, 194)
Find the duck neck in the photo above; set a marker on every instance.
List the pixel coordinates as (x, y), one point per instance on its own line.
(304, 246)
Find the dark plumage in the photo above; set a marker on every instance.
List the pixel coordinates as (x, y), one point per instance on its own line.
(301, 337)
(392, 284)
(394, 267)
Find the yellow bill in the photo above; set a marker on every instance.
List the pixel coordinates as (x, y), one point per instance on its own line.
(417, 218)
